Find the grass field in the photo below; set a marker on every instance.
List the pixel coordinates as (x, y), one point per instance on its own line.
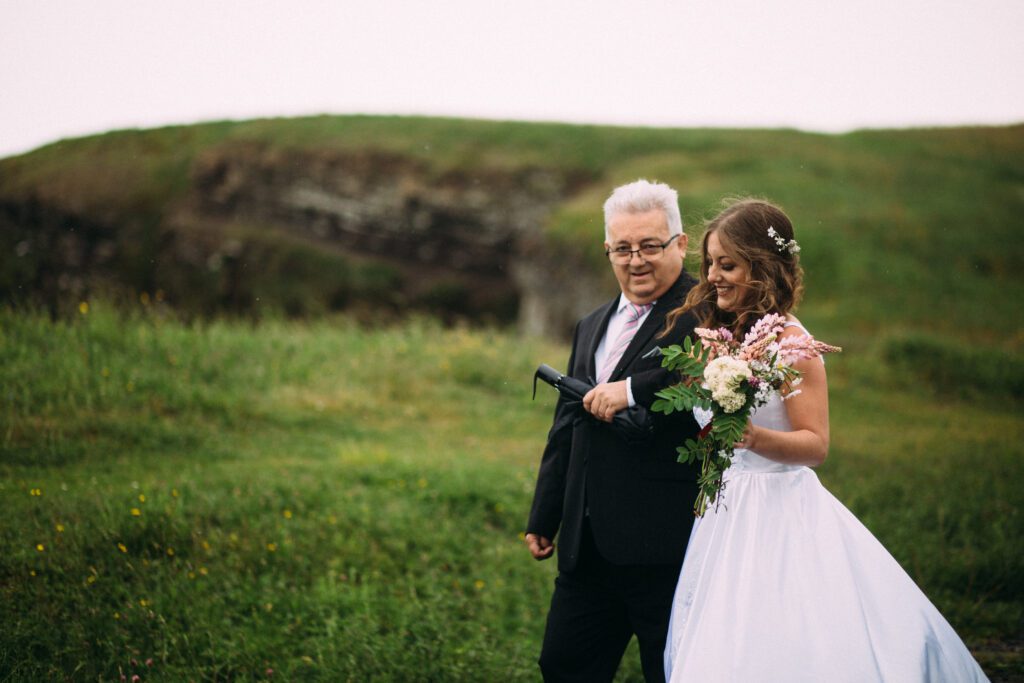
(235, 500)
(323, 501)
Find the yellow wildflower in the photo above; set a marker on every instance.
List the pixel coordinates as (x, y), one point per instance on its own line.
(40, 547)
(136, 512)
(83, 307)
(272, 547)
(122, 548)
(142, 498)
(60, 528)
(287, 514)
(170, 552)
(203, 571)
(479, 584)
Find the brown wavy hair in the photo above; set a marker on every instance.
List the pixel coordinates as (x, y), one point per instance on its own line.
(776, 278)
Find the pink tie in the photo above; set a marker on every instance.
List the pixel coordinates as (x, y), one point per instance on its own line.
(634, 312)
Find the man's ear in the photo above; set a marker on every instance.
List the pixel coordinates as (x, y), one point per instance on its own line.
(683, 240)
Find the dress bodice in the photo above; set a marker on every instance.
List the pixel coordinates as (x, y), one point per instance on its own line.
(772, 415)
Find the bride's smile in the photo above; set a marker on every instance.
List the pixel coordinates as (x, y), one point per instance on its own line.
(728, 275)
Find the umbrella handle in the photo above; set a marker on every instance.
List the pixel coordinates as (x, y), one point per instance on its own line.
(548, 374)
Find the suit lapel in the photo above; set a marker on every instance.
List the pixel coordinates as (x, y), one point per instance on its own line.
(594, 339)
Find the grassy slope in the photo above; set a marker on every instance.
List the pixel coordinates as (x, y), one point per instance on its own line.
(345, 504)
(406, 462)
(903, 229)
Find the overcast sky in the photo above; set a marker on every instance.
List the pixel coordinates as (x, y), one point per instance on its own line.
(76, 67)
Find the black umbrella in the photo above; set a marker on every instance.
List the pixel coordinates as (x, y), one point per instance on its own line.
(632, 424)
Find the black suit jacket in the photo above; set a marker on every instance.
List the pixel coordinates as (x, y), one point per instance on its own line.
(640, 498)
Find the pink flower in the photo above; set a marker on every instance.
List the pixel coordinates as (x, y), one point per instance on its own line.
(792, 349)
(771, 324)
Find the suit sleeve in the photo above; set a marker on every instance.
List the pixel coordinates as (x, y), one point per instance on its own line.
(549, 495)
(645, 384)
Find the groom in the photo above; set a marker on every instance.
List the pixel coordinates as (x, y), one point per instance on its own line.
(624, 511)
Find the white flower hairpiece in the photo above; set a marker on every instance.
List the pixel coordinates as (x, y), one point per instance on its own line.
(791, 246)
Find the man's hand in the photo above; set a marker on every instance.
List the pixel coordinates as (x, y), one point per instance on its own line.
(604, 400)
(540, 547)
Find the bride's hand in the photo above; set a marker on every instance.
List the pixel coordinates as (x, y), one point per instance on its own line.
(749, 440)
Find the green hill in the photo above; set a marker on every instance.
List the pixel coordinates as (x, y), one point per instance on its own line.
(211, 462)
(904, 230)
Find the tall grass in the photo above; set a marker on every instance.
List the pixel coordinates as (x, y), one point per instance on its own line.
(324, 501)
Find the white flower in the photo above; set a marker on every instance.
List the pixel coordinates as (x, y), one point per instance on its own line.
(764, 392)
(791, 246)
(724, 375)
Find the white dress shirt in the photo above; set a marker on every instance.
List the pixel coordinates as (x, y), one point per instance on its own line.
(618, 320)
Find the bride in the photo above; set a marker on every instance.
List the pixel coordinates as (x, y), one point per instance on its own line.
(780, 581)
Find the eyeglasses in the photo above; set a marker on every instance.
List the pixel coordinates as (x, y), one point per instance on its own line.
(649, 251)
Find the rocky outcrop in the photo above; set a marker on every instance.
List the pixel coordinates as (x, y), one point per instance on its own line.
(472, 243)
(310, 231)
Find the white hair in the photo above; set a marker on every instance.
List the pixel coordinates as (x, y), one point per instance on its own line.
(641, 196)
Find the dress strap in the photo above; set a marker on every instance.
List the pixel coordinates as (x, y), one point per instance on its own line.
(791, 323)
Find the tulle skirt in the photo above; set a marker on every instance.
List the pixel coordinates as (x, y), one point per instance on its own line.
(785, 584)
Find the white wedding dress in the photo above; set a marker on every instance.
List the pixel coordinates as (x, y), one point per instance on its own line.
(783, 583)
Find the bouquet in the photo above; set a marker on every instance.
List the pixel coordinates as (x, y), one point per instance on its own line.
(730, 379)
